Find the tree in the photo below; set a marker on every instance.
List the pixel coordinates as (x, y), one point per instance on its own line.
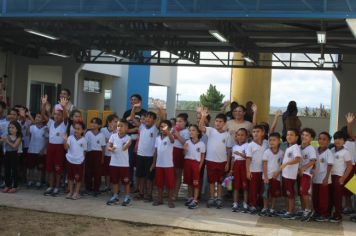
(212, 99)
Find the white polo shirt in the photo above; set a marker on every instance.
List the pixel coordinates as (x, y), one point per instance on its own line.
(255, 152)
(96, 142)
(340, 158)
(274, 161)
(107, 134)
(323, 160)
(76, 149)
(56, 134)
(184, 133)
(147, 139)
(308, 155)
(195, 150)
(217, 144)
(291, 153)
(38, 140)
(351, 147)
(119, 157)
(241, 149)
(164, 152)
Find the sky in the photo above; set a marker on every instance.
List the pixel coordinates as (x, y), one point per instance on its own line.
(306, 87)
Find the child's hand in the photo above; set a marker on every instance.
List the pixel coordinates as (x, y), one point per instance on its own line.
(265, 180)
(152, 167)
(350, 117)
(65, 137)
(63, 102)
(136, 106)
(275, 175)
(341, 181)
(283, 166)
(204, 112)
(300, 171)
(325, 181)
(254, 108)
(227, 167)
(231, 172)
(278, 113)
(248, 175)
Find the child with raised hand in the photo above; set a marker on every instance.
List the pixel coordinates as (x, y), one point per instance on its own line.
(119, 144)
(194, 150)
(238, 170)
(163, 164)
(11, 143)
(109, 129)
(218, 155)
(94, 156)
(254, 170)
(341, 170)
(289, 168)
(322, 178)
(75, 116)
(272, 160)
(36, 151)
(76, 146)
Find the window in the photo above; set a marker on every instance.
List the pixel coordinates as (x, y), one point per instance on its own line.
(92, 86)
(107, 94)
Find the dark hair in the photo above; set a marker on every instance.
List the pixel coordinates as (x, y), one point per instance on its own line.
(184, 116)
(18, 128)
(15, 110)
(167, 122)
(243, 107)
(96, 120)
(81, 124)
(292, 108)
(173, 119)
(110, 118)
(243, 130)
(200, 134)
(67, 90)
(151, 114)
(123, 121)
(260, 127)
(221, 116)
(295, 131)
(70, 121)
(326, 134)
(310, 131)
(233, 105)
(275, 135)
(3, 105)
(265, 126)
(136, 95)
(340, 135)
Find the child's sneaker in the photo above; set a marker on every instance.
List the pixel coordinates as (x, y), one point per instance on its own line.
(96, 193)
(30, 184)
(211, 202)
(353, 218)
(38, 185)
(288, 216)
(307, 215)
(321, 219)
(5, 190)
(253, 210)
(189, 200)
(347, 211)
(55, 192)
(113, 200)
(335, 219)
(235, 207)
(48, 191)
(271, 213)
(264, 212)
(219, 203)
(126, 201)
(193, 205)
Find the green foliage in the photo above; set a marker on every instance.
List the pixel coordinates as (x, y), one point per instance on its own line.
(188, 105)
(212, 99)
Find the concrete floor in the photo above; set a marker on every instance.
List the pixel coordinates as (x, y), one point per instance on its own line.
(204, 219)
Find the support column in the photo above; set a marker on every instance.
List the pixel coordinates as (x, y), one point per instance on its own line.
(171, 93)
(252, 85)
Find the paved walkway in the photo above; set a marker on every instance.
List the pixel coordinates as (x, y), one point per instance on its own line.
(200, 219)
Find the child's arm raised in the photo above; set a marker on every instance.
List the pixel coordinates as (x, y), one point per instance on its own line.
(204, 113)
(254, 117)
(43, 107)
(350, 117)
(275, 121)
(160, 112)
(63, 103)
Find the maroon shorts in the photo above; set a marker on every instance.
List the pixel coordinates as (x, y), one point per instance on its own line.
(55, 158)
(192, 173)
(255, 190)
(304, 185)
(33, 160)
(105, 166)
(346, 192)
(165, 177)
(274, 188)
(239, 173)
(288, 187)
(178, 158)
(215, 171)
(119, 174)
(74, 171)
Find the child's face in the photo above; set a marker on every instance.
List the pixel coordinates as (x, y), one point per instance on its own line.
(58, 116)
(339, 142)
(164, 128)
(323, 141)
(78, 130)
(306, 138)
(12, 129)
(38, 119)
(77, 117)
(274, 142)
(143, 120)
(181, 123)
(149, 121)
(194, 133)
(240, 136)
(113, 124)
(292, 138)
(219, 124)
(258, 134)
(12, 116)
(121, 128)
(94, 126)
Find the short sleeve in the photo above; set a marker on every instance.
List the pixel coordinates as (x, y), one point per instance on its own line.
(347, 156)
(185, 134)
(249, 150)
(50, 122)
(203, 149)
(230, 143)
(265, 156)
(86, 136)
(312, 154)
(111, 139)
(69, 141)
(330, 158)
(85, 144)
(102, 140)
(208, 131)
(127, 139)
(156, 143)
(297, 152)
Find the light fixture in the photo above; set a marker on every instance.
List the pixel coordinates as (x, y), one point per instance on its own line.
(113, 55)
(58, 54)
(218, 36)
(31, 31)
(321, 61)
(248, 59)
(321, 35)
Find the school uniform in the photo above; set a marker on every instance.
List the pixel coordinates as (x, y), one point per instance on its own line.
(290, 172)
(308, 155)
(239, 167)
(165, 174)
(105, 166)
(38, 141)
(274, 161)
(96, 142)
(178, 151)
(75, 157)
(192, 163)
(119, 162)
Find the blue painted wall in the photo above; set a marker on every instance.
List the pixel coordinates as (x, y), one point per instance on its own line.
(138, 82)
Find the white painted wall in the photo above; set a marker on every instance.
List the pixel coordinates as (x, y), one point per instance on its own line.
(161, 75)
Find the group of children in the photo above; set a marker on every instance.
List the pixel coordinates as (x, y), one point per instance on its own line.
(262, 170)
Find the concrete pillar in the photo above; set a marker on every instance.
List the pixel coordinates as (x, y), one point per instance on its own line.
(172, 93)
(345, 102)
(119, 92)
(252, 85)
